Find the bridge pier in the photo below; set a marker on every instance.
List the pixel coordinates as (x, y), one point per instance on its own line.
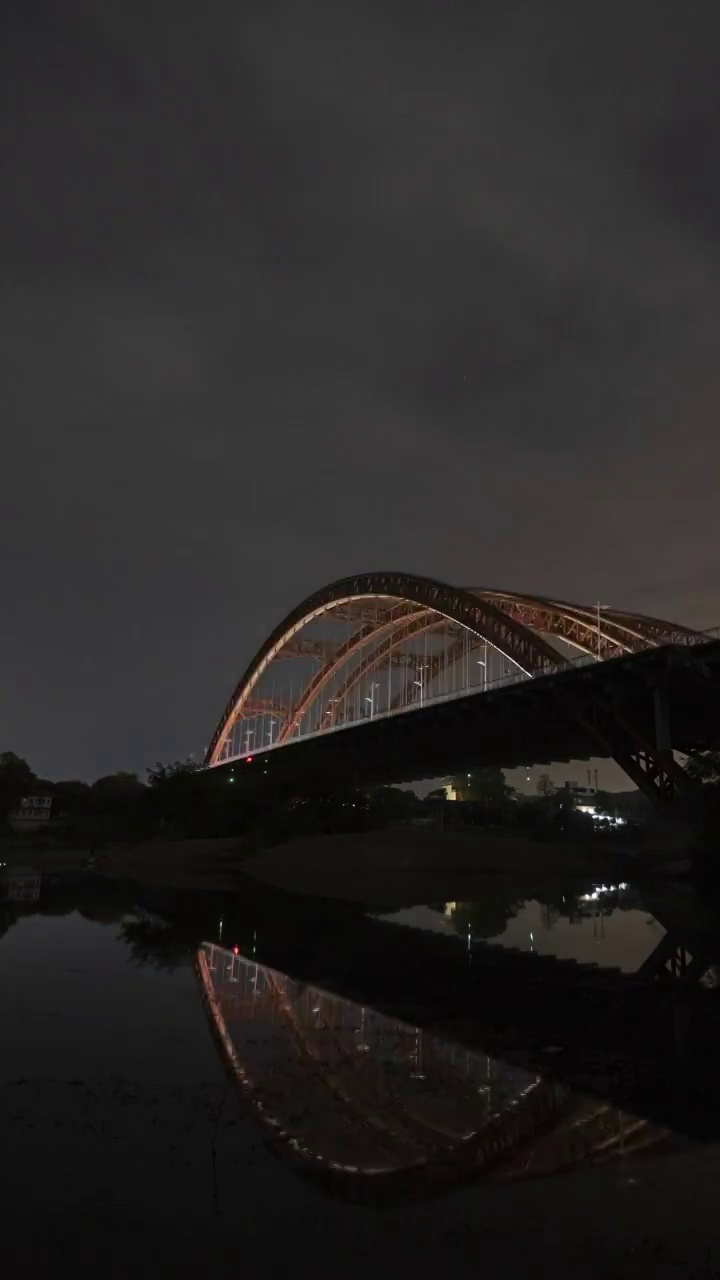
(646, 757)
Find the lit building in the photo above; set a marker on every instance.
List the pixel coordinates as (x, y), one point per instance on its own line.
(31, 812)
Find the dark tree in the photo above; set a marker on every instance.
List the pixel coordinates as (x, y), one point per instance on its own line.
(16, 779)
(487, 918)
(704, 767)
(120, 809)
(485, 785)
(545, 785)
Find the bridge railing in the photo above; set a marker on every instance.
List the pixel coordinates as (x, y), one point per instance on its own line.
(514, 677)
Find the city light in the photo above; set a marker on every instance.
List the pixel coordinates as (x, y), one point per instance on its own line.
(601, 889)
(597, 816)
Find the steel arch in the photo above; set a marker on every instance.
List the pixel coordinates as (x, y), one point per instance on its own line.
(416, 625)
(577, 624)
(514, 624)
(509, 636)
(338, 660)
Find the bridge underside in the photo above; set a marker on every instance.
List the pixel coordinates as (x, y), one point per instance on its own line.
(638, 710)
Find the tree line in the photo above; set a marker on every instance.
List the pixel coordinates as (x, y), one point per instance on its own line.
(182, 800)
(119, 806)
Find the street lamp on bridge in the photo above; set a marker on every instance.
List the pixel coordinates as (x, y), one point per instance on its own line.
(371, 697)
(598, 608)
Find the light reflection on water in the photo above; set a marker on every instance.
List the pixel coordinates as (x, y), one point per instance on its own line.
(417, 1046)
(603, 925)
(613, 938)
(349, 1092)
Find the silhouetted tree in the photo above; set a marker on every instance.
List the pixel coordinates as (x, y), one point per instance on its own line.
(120, 808)
(183, 797)
(157, 943)
(483, 785)
(16, 778)
(704, 767)
(489, 917)
(545, 785)
(72, 799)
(390, 804)
(490, 797)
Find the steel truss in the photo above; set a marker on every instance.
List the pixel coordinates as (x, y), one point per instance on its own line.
(387, 610)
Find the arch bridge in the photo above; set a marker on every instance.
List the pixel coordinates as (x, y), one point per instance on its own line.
(382, 645)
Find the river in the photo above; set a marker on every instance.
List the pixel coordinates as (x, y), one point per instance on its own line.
(194, 1079)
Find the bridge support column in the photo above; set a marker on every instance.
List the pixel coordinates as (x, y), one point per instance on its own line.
(662, 719)
(647, 758)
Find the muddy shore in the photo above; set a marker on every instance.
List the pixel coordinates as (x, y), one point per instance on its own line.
(399, 864)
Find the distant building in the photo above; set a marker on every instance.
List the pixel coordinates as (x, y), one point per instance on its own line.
(21, 884)
(577, 792)
(31, 813)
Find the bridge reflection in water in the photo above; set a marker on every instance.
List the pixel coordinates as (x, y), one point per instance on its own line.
(368, 1103)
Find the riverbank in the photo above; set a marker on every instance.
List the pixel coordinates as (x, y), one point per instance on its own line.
(403, 864)
(409, 865)
(174, 864)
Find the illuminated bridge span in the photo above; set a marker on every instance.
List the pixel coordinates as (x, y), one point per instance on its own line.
(391, 647)
(383, 643)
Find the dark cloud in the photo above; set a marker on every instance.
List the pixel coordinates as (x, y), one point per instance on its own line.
(293, 290)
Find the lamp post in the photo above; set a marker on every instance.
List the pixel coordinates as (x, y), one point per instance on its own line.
(598, 608)
(371, 697)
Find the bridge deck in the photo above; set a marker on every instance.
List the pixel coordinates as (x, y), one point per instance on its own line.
(538, 721)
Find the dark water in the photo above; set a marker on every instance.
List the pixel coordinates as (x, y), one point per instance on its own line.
(193, 1080)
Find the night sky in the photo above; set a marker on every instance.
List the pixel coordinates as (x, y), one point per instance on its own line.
(291, 290)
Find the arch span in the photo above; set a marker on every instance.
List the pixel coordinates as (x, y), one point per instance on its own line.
(388, 610)
(532, 653)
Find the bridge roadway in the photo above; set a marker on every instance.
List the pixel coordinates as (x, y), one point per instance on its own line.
(637, 709)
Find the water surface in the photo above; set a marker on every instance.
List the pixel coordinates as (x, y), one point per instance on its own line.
(194, 1077)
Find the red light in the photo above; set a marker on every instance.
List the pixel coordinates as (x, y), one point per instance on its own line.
(236, 951)
(249, 760)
